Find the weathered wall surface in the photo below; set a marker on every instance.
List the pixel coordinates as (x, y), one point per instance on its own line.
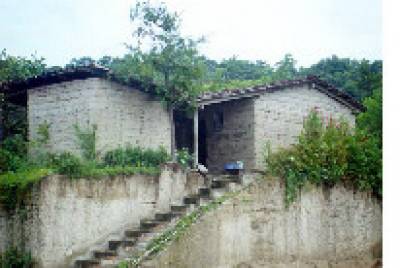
(123, 115)
(335, 227)
(279, 116)
(67, 217)
(235, 140)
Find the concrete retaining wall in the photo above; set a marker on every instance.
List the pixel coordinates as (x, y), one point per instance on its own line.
(66, 217)
(335, 227)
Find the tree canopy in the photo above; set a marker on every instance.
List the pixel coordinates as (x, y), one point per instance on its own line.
(19, 68)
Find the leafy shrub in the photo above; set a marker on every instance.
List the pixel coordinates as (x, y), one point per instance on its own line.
(87, 141)
(365, 162)
(326, 155)
(14, 258)
(15, 185)
(116, 157)
(136, 156)
(68, 164)
(154, 158)
(13, 153)
(184, 157)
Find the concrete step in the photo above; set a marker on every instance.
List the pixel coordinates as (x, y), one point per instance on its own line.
(135, 233)
(105, 254)
(148, 224)
(232, 178)
(115, 244)
(178, 208)
(164, 216)
(87, 264)
(218, 184)
(218, 192)
(205, 200)
(138, 238)
(191, 199)
(204, 192)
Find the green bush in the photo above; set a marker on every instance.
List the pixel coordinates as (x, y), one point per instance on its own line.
(13, 154)
(15, 185)
(14, 258)
(68, 164)
(136, 156)
(326, 155)
(184, 157)
(86, 139)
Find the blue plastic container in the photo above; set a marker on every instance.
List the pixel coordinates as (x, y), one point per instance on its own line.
(238, 165)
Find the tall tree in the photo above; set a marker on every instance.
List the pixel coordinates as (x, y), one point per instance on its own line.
(13, 117)
(285, 69)
(164, 57)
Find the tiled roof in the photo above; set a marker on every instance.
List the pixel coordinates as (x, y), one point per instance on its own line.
(232, 94)
(55, 75)
(17, 89)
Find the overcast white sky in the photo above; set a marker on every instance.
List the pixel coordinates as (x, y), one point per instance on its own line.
(252, 29)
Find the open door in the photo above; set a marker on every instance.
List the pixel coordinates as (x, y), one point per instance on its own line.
(203, 142)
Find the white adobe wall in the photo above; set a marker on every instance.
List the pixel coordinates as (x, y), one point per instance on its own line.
(279, 116)
(123, 115)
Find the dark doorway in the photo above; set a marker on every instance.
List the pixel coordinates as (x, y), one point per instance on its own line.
(183, 131)
(203, 142)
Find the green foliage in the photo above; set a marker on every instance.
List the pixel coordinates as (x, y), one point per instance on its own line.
(82, 61)
(43, 133)
(74, 167)
(171, 63)
(87, 141)
(365, 162)
(14, 186)
(68, 164)
(16, 69)
(326, 154)
(371, 120)
(13, 153)
(356, 77)
(183, 157)
(285, 69)
(136, 156)
(14, 258)
(19, 68)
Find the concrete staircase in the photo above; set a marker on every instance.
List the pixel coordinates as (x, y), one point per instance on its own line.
(134, 241)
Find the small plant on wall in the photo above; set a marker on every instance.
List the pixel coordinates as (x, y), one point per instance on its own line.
(87, 141)
(183, 157)
(14, 258)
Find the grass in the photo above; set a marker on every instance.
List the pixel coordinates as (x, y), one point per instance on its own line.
(15, 186)
(101, 172)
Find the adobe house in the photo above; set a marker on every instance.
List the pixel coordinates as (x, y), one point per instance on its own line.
(234, 125)
(227, 126)
(83, 97)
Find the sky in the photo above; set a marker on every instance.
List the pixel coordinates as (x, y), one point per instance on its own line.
(60, 30)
